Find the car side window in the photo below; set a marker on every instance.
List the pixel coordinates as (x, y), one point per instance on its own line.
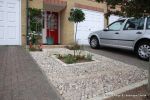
(116, 26)
(135, 24)
(148, 24)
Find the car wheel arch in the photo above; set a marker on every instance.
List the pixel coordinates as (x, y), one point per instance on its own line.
(140, 41)
(96, 37)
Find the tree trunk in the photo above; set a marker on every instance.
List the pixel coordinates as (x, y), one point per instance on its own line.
(76, 32)
(75, 38)
(107, 16)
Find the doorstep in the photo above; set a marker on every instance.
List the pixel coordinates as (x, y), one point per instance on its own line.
(54, 46)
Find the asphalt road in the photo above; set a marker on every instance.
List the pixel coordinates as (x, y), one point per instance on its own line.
(121, 55)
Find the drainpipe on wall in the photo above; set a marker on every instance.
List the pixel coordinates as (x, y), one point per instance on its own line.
(107, 16)
(27, 20)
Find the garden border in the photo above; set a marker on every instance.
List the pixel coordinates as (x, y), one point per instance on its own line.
(121, 90)
(64, 64)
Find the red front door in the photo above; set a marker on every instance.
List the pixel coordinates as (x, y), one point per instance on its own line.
(52, 27)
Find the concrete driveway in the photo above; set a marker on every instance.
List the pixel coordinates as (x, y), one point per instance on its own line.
(121, 55)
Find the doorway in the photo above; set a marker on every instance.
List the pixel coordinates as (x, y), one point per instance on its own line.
(52, 28)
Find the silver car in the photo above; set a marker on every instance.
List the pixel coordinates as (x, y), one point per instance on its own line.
(130, 33)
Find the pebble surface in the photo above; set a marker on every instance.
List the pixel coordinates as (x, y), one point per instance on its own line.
(87, 80)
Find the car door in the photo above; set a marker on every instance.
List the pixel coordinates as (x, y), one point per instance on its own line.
(147, 31)
(133, 29)
(109, 35)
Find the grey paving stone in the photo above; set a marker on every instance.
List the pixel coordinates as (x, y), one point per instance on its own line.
(20, 77)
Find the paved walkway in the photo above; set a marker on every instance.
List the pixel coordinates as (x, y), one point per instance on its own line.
(21, 78)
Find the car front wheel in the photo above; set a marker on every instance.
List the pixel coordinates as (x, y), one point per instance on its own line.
(94, 43)
(143, 51)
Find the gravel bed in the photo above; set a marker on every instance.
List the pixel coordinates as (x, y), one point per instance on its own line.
(87, 80)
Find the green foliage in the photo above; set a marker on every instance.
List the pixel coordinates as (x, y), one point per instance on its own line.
(136, 8)
(34, 38)
(110, 2)
(35, 41)
(76, 15)
(69, 59)
(129, 8)
(35, 19)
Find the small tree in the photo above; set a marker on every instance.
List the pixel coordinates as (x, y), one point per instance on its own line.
(76, 16)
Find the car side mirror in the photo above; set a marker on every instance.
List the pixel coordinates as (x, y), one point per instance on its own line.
(106, 29)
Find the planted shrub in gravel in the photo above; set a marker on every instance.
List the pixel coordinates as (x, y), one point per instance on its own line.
(70, 59)
(78, 55)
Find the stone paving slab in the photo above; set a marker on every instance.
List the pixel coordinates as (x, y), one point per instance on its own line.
(21, 78)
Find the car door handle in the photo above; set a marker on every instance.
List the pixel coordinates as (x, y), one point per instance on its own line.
(116, 33)
(139, 33)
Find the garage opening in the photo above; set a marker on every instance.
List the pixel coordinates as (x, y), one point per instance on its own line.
(94, 21)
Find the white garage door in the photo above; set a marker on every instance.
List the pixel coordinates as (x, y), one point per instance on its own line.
(113, 18)
(94, 21)
(10, 22)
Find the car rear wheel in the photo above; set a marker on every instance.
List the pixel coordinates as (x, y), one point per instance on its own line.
(94, 43)
(143, 50)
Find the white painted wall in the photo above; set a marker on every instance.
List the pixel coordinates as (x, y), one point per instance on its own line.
(44, 29)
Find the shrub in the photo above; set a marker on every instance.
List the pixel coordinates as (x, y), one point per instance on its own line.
(35, 19)
(59, 56)
(35, 41)
(69, 59)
